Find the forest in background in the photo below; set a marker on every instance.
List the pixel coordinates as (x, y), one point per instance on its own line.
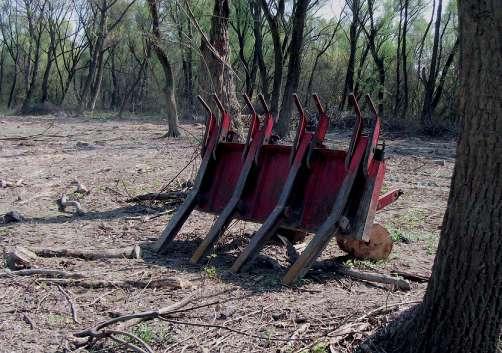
(151, 57)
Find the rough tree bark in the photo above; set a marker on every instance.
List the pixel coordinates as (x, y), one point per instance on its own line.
(220, 75)
(294, 66)
(462, 308)
(169, 90)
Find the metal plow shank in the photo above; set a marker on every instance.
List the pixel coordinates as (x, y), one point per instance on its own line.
(214, 133)
(305, 187)
(304, 142)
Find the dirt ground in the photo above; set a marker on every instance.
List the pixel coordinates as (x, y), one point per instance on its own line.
(119, 158)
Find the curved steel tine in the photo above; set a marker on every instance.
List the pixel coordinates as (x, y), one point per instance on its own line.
(205, 105)
(248, 103)
(371, 105)
(358, 126)
(218, 103)
(318, 104)
(264, 103)
(354, 102)
(298, 105)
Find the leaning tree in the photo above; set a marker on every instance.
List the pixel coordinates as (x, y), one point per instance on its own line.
(462, 308)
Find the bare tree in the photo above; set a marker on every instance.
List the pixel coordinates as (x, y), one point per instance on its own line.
(216, 55)
(432, 87)
(169, 90)
(35, 11)
(294, 66)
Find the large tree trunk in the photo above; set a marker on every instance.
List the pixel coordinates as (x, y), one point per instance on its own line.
(221, 79)
(294, 66)
(462, 308)
(172, 114)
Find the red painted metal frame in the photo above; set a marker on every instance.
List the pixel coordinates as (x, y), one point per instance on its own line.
(305, 187)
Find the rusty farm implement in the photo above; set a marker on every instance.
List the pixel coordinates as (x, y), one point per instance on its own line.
(304, 187)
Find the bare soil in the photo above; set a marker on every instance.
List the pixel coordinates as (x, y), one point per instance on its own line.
(117, 159)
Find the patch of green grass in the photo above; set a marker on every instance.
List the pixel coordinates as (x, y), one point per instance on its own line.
(152, 334)
(210, 271)
(57, 319)
(321, 347)
(414, 219)
(145, 332)
(431, 244)
(364, 264)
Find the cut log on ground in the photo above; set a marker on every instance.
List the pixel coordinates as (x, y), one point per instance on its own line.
(44, 272)
(130, 252)
(86, 282)
(19, 258)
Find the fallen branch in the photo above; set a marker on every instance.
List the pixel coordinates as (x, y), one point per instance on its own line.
(415, 277)
(137, 317)
(398, 283)
(110, 333)
(43, 271)
(178, 196)
(169, 282)
(130, 252)
(357, 325)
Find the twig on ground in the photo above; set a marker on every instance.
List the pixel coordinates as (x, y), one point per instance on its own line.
(29, 321)
(71, 302)
(232, 330)
(110, 333)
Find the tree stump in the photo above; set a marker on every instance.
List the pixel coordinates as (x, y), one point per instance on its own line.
(377, 248)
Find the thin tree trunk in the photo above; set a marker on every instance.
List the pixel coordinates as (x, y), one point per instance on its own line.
(273, 22)
(348, 86)
(169, 90)
(294, 66)
(114, 102)
(2, 61)
(258, 45)
(222, 82)
(14, 81)
(462, 308)
(404, 56)
(48, 67)
(430, 82)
